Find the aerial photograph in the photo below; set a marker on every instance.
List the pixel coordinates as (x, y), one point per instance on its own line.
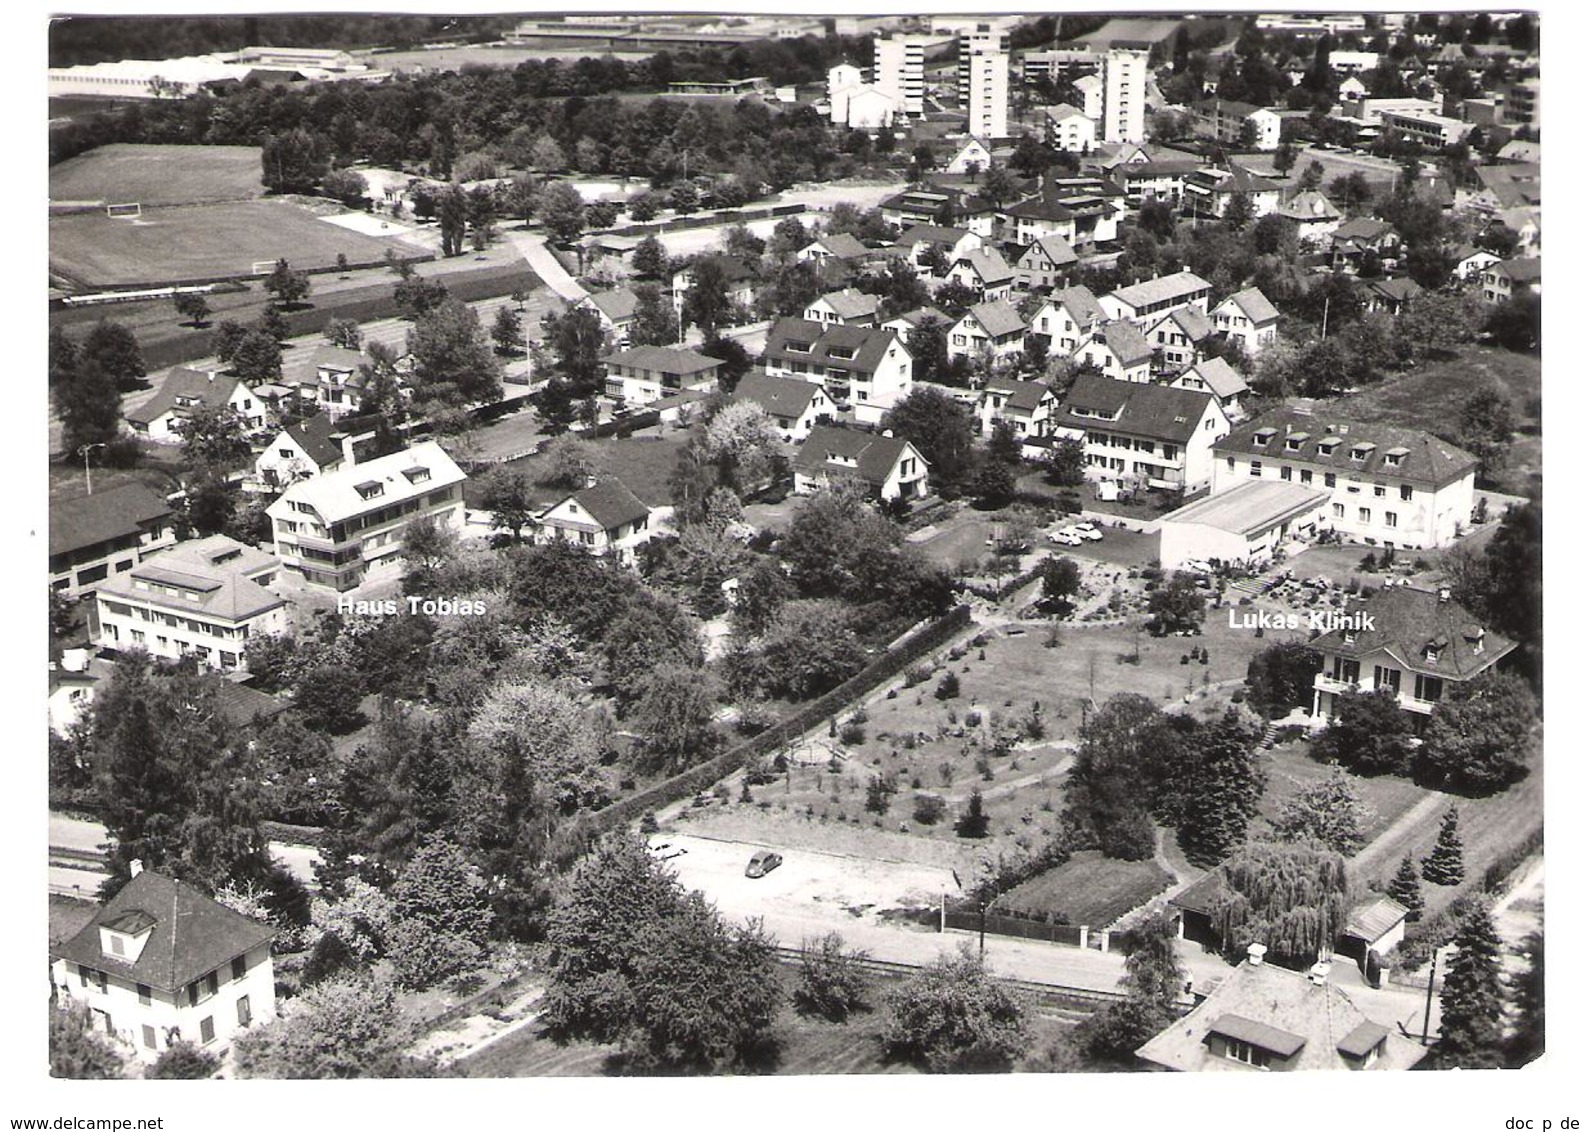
(653, 545)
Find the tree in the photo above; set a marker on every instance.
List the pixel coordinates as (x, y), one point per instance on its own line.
(1291, 897)
(293, 162)
(1239, 211)
(440, 916)
(77, 1053)
(735, 358)
(183, 1061)
(1061, 579)
(1444, 865)
(429, 547)
(1477, 737)
(506, 330)
(337, 1029)
(1351, 192)
(346, 186)
(229, 335)
(62, 355)
(1528, 1040)
(88, 403)
(1066, 461)
(974, 821)
(1405, 889)
(706, 301)
(1486, 429)
(928, 344)
(808, 649)
(575, 338)
(328, 699)
(1177, 606)
(1473, 1002)
(1109, 789)
(674, 718)
(290, 287)
(506, 494)
(212, 438)
(416, 295)
(833, 983)
(1220, 785)
(1329, 812)
(345, 334)
(952, 1018)
(561, 210)
(1368, 734)
(1153, 982)
(193, 307)
(452, 363)
(939, 427)
(111, 349)
(994, 485)
(1313, 173)
(1281, 678)
(649, 260)
(789, 236)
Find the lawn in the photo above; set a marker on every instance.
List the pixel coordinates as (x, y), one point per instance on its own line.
(66, 479)
(1090, 889)
(68, 917)
(1290, 769)
(203, 241)
(154, 175)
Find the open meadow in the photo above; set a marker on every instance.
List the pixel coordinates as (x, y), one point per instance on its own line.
(156, 175)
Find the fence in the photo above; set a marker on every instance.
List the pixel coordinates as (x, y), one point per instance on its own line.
(967, 919)
(788, 730)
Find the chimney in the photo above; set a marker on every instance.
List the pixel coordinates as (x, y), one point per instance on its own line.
(1256, 954)
(137, 866)
(1320, 973)
(348, 457)
(888, 434)
(590, 481)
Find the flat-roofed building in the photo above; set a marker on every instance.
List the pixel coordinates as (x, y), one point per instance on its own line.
(1244, 526)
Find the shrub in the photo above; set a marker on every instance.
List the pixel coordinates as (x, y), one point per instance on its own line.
(852, 734)
(949, 687)
(928, 809)
(832, 984)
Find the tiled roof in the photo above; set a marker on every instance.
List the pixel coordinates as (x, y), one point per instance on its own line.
(931, 234)
(1362, 228)
(735, 269)
(336, 357)
(1080, 302)
(1159, 412)
(787, 397)
(1427, 460)
(610, 503)
(1054, 248)
(191, 935)
(115, 512)
(1374, 918)
(1285, 1013)
(663, 359)
(1126, 342)
(1190, 321)
(314, 436)
(1149, 170)
(922, 314)
(1398, 290)
(875, 455)
(850, 303)
(1518, 270)
(989, 266)
(858, 349)
(1311, 204)
(843, 245)
(617, 305)
(1022, 396)
(212, 391)
(242, 705)
(217, 570)
(335, 495)
(1222, 380)
(998, 318)
(1161, 289)
(1408, 623)
(1511, 185)
(1041, 207)
(1251, 302)
(1062, 112)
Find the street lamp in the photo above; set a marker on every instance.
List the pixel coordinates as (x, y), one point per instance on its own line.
(87, 474)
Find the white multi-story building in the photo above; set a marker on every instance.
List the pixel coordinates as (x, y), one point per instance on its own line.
(983, 80)
(1124, 94)
(203, 598)
(1388, 486)
(1142, 435)
(897, 71)
(867, 371)
(1144, 302)
(161, 963)
(1070, 130)
(334, 529)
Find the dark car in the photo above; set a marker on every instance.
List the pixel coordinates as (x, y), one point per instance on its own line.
(763, 862)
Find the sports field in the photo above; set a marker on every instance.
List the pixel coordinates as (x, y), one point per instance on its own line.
(203, 241)
(156, 175)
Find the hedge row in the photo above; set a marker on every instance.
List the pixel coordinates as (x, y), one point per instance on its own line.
(1003, 590)
(698, 778)
(364, 264)
(967, 919)
(1501, 869)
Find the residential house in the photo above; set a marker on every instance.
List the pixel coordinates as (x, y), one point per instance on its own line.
(1082, 215)
(643, 374)
(995, 329)
(337, 528)
(1209, 192)
(1179, 338)
(1501, 281)
(1249, 318)
(1390, 295)
(1361, 236)
(903, 324)
(161, 963)
(794, 406)
(1389, 485)
(1523, 225)
(917, 242)
(94, 536)
(1028, 407)
(1069, 130)
(71, 690)
(985, 273)
(942, 207)
(1315, 216)
(604, 518)
(185, 390)
(1472, 262)
(1139, 434)
(739, 278)
(865, 371)
(309, 448)
(1417, 645)
(1143, 302)
(1045, 263)
(836, 246)
(1119, 350)
(890, 467)
(615, 310)
(203, 598)
(1143, 181)
(339, 381)
(1264, 1018)
(1216, 377)
(1067, 319)
(977, 155)
(1224, 119)
(849, 307)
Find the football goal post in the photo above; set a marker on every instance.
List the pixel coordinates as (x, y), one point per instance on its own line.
(130, 211)
(263, 267)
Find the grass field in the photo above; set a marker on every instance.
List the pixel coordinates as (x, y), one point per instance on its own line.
(68, 917)
(156, 175)
(205, 241)
(1090, 888)
(1289, 769)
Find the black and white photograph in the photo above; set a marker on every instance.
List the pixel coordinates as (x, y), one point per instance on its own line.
(657, 544)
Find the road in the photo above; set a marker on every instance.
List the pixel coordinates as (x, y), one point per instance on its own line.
(70, 874)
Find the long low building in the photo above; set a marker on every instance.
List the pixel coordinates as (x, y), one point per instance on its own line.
(1244, 525)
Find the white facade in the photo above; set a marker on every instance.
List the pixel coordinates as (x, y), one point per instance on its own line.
(897, 71)
(1071, 131)
(984, 80)
(1124, 94)
(1115, 453)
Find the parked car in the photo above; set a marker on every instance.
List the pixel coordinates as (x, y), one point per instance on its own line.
(1089, 530)
(763, 861)
(1066, 537)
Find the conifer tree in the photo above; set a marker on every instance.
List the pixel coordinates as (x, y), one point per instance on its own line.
(1404, 889)
(1444, 865)
(1472, 1000)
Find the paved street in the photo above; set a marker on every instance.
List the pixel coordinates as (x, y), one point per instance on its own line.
(75, 835)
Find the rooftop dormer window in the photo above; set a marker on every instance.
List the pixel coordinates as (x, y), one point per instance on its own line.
(1263, 437)
(1361, 452)
(1294, 441)
(417, 475)
(795, 347)
(1394, 457)
(369, 489)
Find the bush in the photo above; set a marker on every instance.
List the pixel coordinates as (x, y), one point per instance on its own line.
(949, 687)
(832, 984)
(928, 809)
(852, 734)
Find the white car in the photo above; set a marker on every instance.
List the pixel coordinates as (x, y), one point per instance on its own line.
(1067, 537)
(1088, 530)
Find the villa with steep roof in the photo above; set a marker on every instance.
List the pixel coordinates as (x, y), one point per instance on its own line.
(1389, 485)
(203, 598)
(161, 963)
(1215, 375)
(889, 467)
(615, 310)
(1249, 318)
(1179, 339)
(864, 370)
(1028, 407)
(1067, 319)
(1136, 434)
(1045, 263)
(995, 328)
(984, 272)
(1118, 349)
(185, 390)
(794, 406)
(604, 519)
(849, 307)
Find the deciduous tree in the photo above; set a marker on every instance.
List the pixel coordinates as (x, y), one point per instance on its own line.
(952, 1017)
(1329, 813)
(1368, 734)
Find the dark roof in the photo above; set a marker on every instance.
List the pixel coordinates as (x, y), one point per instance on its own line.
(663, 359)
(1022, 396)
(988, 265)
(1362, 228)
(616, 305)
(211, 934)
(1408, 623)
(998, 318)
(932, 234)
(314, 436)
(1126, 342)
(780, 396)
(1152, 169)
(1041, 208)
(735, 269)
(1271, 1038)
(242, 705)
(1362, 1038)
(875, 455)
(1203, 895)
(856, 348)
(917, 317)
(113, 513)
(1374, 918)
(611, 504)
(843, 245)
(1427, 461)
(1160, 412)
(1053, 247)
(213, 391)
(1398, 290)
(1081, 302)
(1217, 374)
(849, 303)
(1252, 302)
(1518, 270)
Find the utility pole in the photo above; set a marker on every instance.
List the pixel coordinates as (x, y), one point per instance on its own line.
(1429, 995)
(87, 473)
(1325, 318)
